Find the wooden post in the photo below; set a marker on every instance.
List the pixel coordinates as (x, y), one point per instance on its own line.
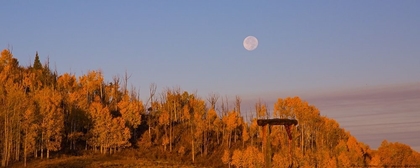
(289, 134)
(268, 147)
(264, 143)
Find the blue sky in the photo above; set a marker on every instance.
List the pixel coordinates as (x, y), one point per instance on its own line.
(322, 51)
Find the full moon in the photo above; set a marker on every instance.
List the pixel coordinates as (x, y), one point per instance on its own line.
(250, 43)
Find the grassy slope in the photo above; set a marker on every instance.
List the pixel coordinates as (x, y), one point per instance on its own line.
(98, 161)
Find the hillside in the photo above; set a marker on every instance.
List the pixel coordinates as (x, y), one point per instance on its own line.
(61, 117)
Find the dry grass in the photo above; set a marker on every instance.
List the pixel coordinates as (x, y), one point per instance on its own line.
(100, 161)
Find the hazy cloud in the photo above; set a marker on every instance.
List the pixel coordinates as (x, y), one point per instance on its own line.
(373, 114)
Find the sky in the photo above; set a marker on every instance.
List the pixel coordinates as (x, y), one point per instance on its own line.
(357, 61)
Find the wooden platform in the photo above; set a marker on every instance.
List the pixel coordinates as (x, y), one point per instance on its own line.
(277, 121)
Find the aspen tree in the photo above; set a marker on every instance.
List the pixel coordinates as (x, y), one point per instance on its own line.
(11, 107)
(131, 109)
(30, 130)
(52, 119)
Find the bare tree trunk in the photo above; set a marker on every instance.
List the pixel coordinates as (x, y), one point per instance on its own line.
(205, 139)
(192, 142)
(48, 149)
(217, 136)
(71, 131)
(125, 82)
(18, 144)
(229, 138)
(166, 136)
(6, 136)
(36, 151)
(213, 100)
(301, 140)
(171, 129)
(243, 143)
(235, 135)
(238, 105)
(8, 149)
(152, 91)
(252, 140)
(41, 146)
(25, 148)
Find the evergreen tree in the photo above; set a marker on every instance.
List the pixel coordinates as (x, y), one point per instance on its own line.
(37, 63)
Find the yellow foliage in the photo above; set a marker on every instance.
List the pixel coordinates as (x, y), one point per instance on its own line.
(226, 157)
(281, 160)
(186, 113)
(231, 120)
(53, 118)
(6, 59)
(332, 162)
(237, 158)
(252, 157)
(396, 154)
(343, 160)
(164, 118)
(131, 111)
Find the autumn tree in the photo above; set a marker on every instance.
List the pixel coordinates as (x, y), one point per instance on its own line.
(196, 110)
(49, 102)
(261, 110)
(307, 116)
(131, 108)
(395, 154)
(11, 107)
(90, 87)
(231, 122)
(209, 129)
(11, 117)
(107, 133)
(30, 129)
(119, 135)
(74, 117)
